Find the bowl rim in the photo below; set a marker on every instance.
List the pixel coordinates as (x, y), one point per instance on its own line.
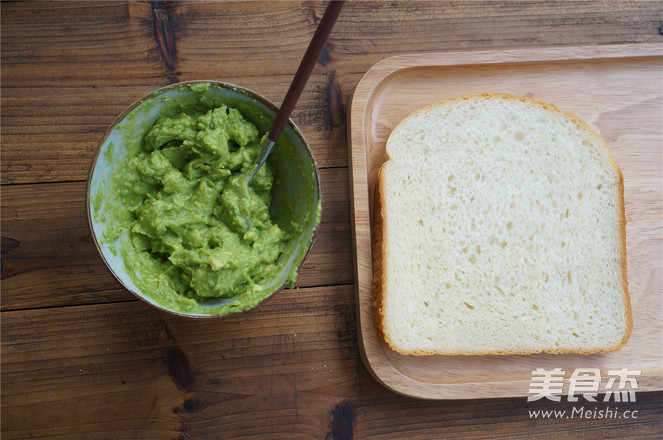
(154, 94)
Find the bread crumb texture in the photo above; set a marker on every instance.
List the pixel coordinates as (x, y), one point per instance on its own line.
(502, 232)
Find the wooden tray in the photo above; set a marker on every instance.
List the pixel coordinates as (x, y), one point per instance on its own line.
(618, 90)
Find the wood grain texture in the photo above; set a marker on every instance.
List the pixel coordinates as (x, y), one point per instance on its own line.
(289, 370)
(588, 82)
(81, 359)
(101, 56)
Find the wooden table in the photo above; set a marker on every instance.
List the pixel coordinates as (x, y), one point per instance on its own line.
(83, 359)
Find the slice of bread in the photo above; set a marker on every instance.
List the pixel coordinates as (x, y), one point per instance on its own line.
(499, 229)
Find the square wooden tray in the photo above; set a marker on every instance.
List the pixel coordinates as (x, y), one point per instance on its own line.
(618, 90)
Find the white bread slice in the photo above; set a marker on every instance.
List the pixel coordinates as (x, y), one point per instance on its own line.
(499, 229)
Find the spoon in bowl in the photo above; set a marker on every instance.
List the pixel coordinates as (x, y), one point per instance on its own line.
(299, 81)
(294, 92)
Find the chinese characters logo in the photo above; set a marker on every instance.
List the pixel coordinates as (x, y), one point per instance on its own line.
(549, 384)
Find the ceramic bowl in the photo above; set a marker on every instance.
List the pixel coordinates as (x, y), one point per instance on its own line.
(296, 193)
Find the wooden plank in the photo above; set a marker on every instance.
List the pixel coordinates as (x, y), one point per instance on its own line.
(49, 260)
(115, 56)
(59, 98)
(614, 89)
(287, 369)
(126, 370)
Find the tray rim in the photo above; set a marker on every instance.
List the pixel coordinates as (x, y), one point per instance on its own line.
(376, 363)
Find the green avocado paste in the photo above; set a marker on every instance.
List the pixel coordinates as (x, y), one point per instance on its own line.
(195, 238)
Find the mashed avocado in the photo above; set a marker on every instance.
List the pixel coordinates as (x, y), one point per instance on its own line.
(190, 233)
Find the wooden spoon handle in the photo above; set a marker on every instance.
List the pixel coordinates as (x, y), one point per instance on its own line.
(306, 67)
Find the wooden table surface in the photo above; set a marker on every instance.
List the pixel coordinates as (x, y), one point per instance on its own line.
(83, 359)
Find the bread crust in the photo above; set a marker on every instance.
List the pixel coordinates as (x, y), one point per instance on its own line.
(379, 274)
(379, 296)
